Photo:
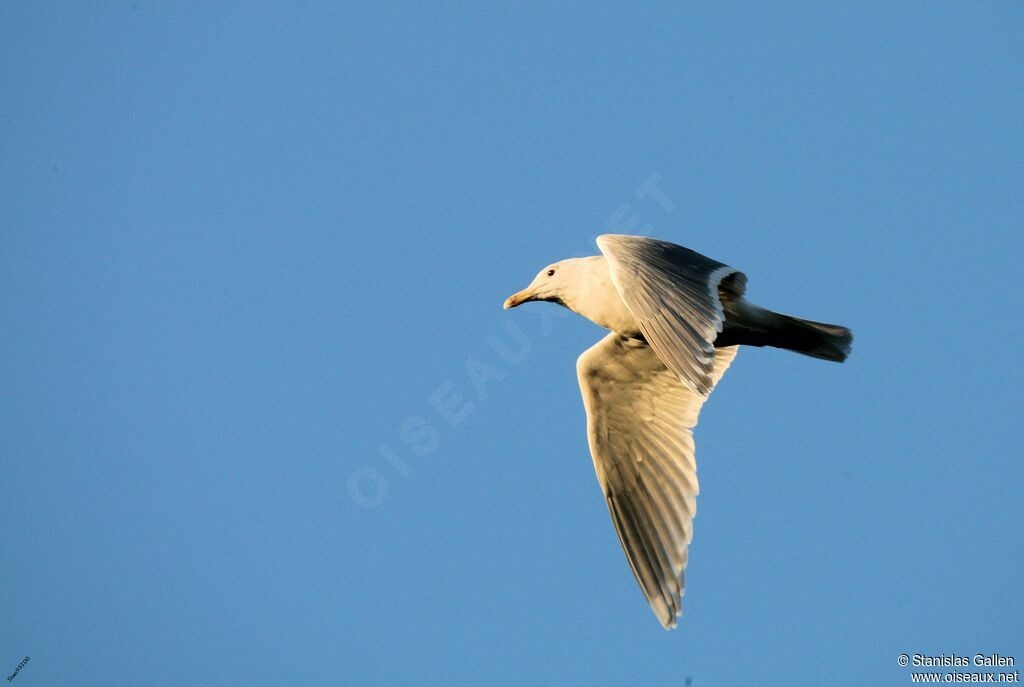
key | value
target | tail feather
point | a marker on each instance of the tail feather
(816, 339)
(748, 324)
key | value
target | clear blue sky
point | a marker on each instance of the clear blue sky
(244, 245)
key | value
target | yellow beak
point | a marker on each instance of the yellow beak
(518, 299)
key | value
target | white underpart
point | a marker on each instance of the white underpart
(594, 296)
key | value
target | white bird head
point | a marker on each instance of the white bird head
(559, 283)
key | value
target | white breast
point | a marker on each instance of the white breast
(597, 299)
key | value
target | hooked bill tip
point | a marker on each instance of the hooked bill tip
(514, 300)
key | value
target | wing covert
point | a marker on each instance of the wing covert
(673, 294)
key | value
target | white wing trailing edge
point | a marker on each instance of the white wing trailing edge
(639, 421)
(673, 294)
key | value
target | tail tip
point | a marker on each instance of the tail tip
(836, 343)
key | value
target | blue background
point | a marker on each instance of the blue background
(244, 244)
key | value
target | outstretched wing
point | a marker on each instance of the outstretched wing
(673, 294)
(639, 421)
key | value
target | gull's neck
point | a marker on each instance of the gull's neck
(594, 296)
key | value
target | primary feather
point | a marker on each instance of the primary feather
(639, 425)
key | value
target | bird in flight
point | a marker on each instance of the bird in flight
(676, 319)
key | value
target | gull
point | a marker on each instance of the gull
(676, 319)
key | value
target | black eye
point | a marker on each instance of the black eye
(551, 273)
